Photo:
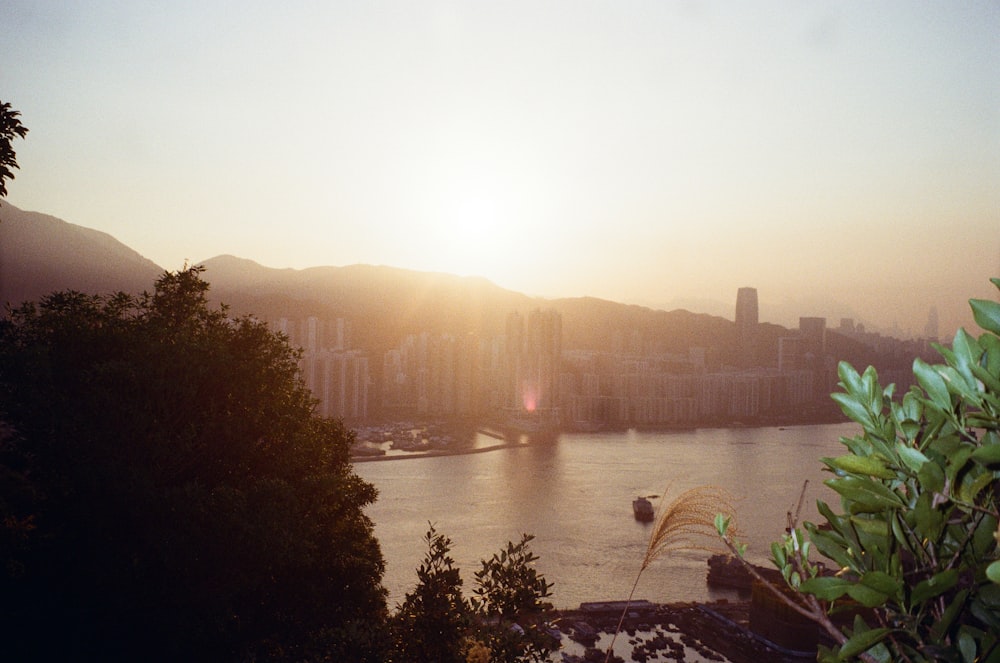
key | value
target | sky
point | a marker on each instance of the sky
(841, 157)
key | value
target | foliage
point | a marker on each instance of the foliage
(10, 128)
(431, 623)
(509, 601)
(503, 622)
(168, 493)
(916, 540)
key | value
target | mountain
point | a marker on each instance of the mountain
(383, 303)
(386, 303)
(40, 254)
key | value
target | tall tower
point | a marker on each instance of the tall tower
(746, 325)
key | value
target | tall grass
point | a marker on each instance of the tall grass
(686, 523)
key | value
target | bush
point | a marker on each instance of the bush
(916, 537)
(503, 622)
(167, 492)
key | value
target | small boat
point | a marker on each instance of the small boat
(643, 509)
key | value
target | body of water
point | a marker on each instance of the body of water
(574, 494)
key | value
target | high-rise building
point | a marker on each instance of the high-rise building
(534, 355)
(813, 334)
(789, 354)
(746, 325)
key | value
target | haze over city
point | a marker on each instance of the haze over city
(842, 158)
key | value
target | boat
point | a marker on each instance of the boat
(643, 509)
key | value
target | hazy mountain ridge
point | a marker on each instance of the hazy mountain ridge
(41, 254)
(379, 299)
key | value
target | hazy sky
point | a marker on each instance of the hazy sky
(842, 157)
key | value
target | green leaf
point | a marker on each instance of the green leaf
(862, 641)
(983, 540)
(936, 585)
(931, 477)
(858, 445)
(988, 454)
(928, 520)
(911, 457)
(867, 494)
(932, 383)
(849, 379)
(866, 465)
(882, 582)
(873, 394)
(871, 526)
(830, 546)
(986, 314)
(991, 361)
(993, 572)
(968, 492)
(959, 386)
(867, 596)
(990, 380)
(854, 410)
(778, 555)
(826, 588)
(965, 353)
(967, 645)
(957, 460)
(722, 524)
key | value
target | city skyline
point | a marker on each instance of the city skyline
(840, 158)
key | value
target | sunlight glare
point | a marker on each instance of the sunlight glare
(475, 222)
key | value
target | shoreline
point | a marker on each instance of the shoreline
(504, 444)
(435, 453)
(717, 630)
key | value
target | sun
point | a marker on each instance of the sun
(470, 236)
(475, 222)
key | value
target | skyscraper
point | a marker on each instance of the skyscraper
(813, 334)
(746, 325)
(534, 354)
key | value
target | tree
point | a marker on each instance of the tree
(430, 625)
(10, 128)
(916, 540)
(509, 602)
(168, 493)
(503, 622)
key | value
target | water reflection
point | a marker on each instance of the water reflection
(575, 495)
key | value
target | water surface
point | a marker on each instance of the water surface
(575, 495)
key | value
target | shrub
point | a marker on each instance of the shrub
(915, 540)
(167, 492)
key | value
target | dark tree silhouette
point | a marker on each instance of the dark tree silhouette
(10, 128)
(167, 493)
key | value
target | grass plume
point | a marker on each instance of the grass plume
(686, 523)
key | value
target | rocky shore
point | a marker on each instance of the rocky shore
(691, 632)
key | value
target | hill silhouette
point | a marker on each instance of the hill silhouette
(40, 254)
(386, 303)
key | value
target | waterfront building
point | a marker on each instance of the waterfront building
(340, 382)
(747, 320)
(813, 334)
(533, 361)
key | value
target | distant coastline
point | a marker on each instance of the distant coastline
(506, 443)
